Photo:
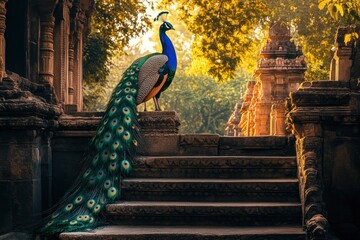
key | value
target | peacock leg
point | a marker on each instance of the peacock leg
(145, 110)
(157, 105)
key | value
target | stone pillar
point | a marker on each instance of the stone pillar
(262, 118)
(278, 119)
(245, 109)
(61, 38)
(71, 72)
(46, 71)
(2, 38)
(343, 63)
(78, 59)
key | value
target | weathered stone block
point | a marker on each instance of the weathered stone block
(164, 122)
(199, 144)
(159, 145)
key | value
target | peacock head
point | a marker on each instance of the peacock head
(166, 26)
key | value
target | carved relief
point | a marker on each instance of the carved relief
(46, 72)
(281, 65)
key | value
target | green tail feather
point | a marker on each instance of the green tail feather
(109, 160)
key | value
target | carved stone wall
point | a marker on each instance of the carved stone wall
(325, 118)
(26, 125)
(280, 71)
(30, 107)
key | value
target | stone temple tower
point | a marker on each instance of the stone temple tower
(280, 71)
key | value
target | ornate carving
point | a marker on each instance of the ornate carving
(47, 23)
(2, 38)
(280, 70)
(233, 128)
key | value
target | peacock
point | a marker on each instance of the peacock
(111, 150)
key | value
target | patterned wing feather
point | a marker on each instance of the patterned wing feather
(149, 75)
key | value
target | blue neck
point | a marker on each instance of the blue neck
(168, 50)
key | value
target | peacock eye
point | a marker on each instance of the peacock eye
(73, 222)
(107, 184)
(126, 110)
(91, 203)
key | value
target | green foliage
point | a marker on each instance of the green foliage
(228, 34)
(223, 31)
(203, 105)
(350, 10)
(113, 24)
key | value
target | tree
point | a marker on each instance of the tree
(228, 34)
(223, 31)
(203, 104)
(113, 24)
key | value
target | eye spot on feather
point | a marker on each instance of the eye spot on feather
(55, 215)
(87, 173)
(91, 203)
(79, 218)
(127, 90)
(97, 209)
(128, 84)
(50, 223)
(105, 155)
(133, 90)
(113, 156)
(91, 220)
(86, 218)
(101, 129)
(73, 222)
(126, 110)
(120, 129)
(114, 122)
(107, 184)
(113, 110)
(112, 192)
(125, 164)
(112, 166)
(135, 143)
(127, 120)
(78, 200)
(116, 144)
(129, 98)
(117, 100)
(107, 137)
(100, 174)
(127, 135)
(69, 207)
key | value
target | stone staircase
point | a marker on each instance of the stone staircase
(245, 188)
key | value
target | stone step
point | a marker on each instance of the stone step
(215, 167)
(188, 233)
(211, 190)
(205, 213)
(257, 146)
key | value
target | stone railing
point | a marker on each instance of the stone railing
(324, 116)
